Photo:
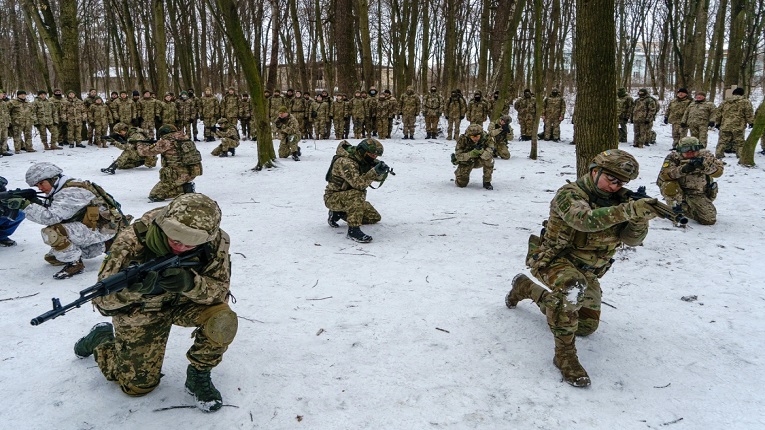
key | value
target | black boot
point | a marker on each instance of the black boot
(299, 152)
(295, 156)
(111, 169)
(488, 186)
(232, 151)
(334, 217)
(355, 233)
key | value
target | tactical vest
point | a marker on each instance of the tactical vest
(186, 154)
(92, 215)
(339, 182)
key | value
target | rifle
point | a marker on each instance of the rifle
(385, 176)
(675, 214)
(11, 211)
(125, 277)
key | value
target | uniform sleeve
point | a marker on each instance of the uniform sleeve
(575, 211)
(153, 149)
(670, 170)
(212, 282)
(66, 203)
(349, 171)
(712, 166)
(634, 233)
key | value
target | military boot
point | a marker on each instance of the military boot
(488, 186)
(54, 146)
(188, 187)
(111, 169)
(523, 288)
(566, 360)
(100, 333)
(355, 233)
(7, 242)
(79, 145)
(53, 261)
(334, 217)
(70, 269)
(46, 146)
(295, 156)
(232, 151)
(199, 385)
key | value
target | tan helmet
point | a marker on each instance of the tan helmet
(120, 127)
(473, 130)
(688, 144)
(192, 219)
(617, 163)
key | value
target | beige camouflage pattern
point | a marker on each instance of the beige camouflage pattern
(100, 117)
(229, 139)
(209, 111)
(123, 110)
(624, 105)
(467, 162)
(174, 173)
(674, 114)
(733, 115)
(288, 131)
(553, 112)
(5, 122)
(340, 110)
(187, 114)
(358, 113)
(698, 115)
(45, 114)
(346, 191)
(501, 139)
(169, 114)
(22, 119)
(691, 190)
(526, 106)
(130, 158)
(477, 110)
(432, 107)
(371, 104)
(149, 109)
(229, 106)
(643, 115)
(409, 106)
(321, 110)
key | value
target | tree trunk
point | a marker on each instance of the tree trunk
(538, 74)
(747, 151)
(368, 71)
(160, 39)
(483, 47)
(344, 47)
(425, 50)
(298, 38)
(733, 64)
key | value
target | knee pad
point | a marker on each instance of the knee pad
(219, 324)
(56, 237)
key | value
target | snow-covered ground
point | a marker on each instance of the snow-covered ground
(411, 331)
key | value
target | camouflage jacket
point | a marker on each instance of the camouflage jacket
(735, 113)
(99, 114)
(245, 109)
(186, 109)
(432, 104)
(275, 103)
(299, 108)
(358, 107)
(149, 108)
(410, 104)
(505, 106)
(229, 106)
(45, 112)
(129, 146)
(5, 115)
(21, 113)
(89, 100)
(340, 109)
(456, 107)
(676, 109)
(171, 147)
(64, 204)
(477, 111)
(210, 108)
(554, 107)
(228, 135)
(168, 112)
(73, 110)
(586, 226)
(645, 109)
(526, 108)
(624, 107)
(372, 103)
(390, 108)
(499, 135)
(699, 114)
(125, 109)
(693, 183)
(465, 145)
(211, 282)
(349, 171)
(321, 109)
(113, 108)
(288, 126)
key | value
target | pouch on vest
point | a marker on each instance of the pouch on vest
(533, 246)
(711, 190)
(91, 217)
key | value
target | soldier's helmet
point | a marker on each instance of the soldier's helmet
(555, 91)
(643, 92)
(120, 127)
(165, 129)
(618, 163)
(621, 92)
(688, 144)
(370, 146)
(192, 219)
(42, 171)
(473, 130)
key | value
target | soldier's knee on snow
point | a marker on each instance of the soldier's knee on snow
(133, 390)
(56, 237)
(219, 324)
(462, 183)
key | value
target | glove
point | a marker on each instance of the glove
(146, 285)
(666, 120)
(751, 125)
(711, 124)
(642, 210)
(176, 280)
(16, 203)
(475, 153)
(381, 168)
(694, 164)
(314, 114)
(684, 125)
(506, 127)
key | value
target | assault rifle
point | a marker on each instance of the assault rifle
(387, 169)
(11, 211)
(124, 278)
(675, 214)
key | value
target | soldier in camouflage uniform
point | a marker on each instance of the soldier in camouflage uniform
(45, 115)
(169, 111)
(624, 105)
(643, 115)
(288, 131)
(372, 102)
(409, 106)
(99, 117)
(455, 113)
(352, 171)
(340, 110)
(687, 179)
(187, 114)
(181, 163)
(475, 149)
(210, 112)
(277, 101)
(733, 115)
(392, 108)
(382, 116)
(150, 109)
(477, 109)
(229, 139)
(298, 110)
(502, 133)
(127, 139)
(588, 221)
(553, 111)
(197, 105)
(432, 106)
(73, 109)
(5, 122)
(229, 106)
(245, 116)
(88, 127)
(21, 122)
(130, 350)
(674, 115)
(526, 107)
(79, 217)
(357, 110)
(125, 109)
(319, 115)
(113, 112)
(699, 116)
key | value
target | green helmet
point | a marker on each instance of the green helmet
(473, 130)
(370, 145)
(621, 92)
(192, 219)
(688, 144)
(120, 127)
(617, 163)
(165, 129)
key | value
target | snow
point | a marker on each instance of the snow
(411, 331)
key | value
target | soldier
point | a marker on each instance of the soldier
(371, 105)
(298, 110)
(45, 115)
(88, 127)
(210, 113)
(624, 105)
(149, 109)
(99, 118)
(169, 111)
(125, 109)
(382, 116)
(494, 101)
(475, 149)
(674, 115)
(245, 116)
(643, 115)
(9, 221)
(73, 109)
(229, 139)
(409, 106)
(197, 106)
(186, 108)
(477, 109)
(338, 114)
(455, 113)
(699, 116)
(358, 112)
(21, 122)
(319, 115)
(526, 107)
(278, 101)
(352, 171)
(588, 221)
(553, 111)
(287, 129)
(432, 106)
(127, 139)
(686, 179)
(130, 350)
(113, 109)
(229, 106)
(501, 132)
(5, 122)
(181, 163)
(308, 116)
(80, 217)
(733, 115)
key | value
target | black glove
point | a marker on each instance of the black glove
(692, 165)
(146, 285)
(711, 124)
(446, 117)
(666, 120)
(462, 116)
(717, 125)
(684, 125)
(751, 125)
(381, 168)
(176, 280)
(506, 127)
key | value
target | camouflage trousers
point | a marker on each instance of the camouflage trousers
(339, 127)
(408, 121)
(453, 130)
(354, 203)
(678, 132)
(74, 132)
(44, 130)
(24, 131)
(171, 180)
(148, 125)
(72, 241)
(244, 124)
(642, 133)
(130, 159)
(382, 127)
(320, 128)
(3, 138)
(527, 126)
(462, 174)
(209, 123)
(370, 126)
(502, 151)
(134, 359)
(729, 141)
(98, 131)
(552, 129)
(431, 124)
(700, 132)
(187, 129)
(358, 127)
(697, 206)
(623, 130)
(572, 306)
(288, 144)
(224, 146)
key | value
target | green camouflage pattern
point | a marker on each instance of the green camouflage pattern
(99, 117)
(123, 110)
(22, 119)
(624, 105)
(46, 120)
(174, 172)
(691, 190)
(526, 106)
(553, 112)
(466, 162)
(643, 115)
(229, 139)
(409, 106)
(674, 113)
(698, 115)
(229, 107)
(346, 190)
(501, 138)
(477, 111)
(733, 114)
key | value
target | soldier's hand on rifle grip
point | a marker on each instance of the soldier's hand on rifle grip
(146, 285)
(176, 280)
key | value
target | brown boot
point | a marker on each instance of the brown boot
(70, 269)
(45, 146)
(53, 261)
(566, 360)
(524, 288)
(53, 146)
